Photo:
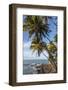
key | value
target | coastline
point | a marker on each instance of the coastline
(38, 69)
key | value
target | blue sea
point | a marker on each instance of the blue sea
(29, 66)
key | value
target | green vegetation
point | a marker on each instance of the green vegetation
(38, 29)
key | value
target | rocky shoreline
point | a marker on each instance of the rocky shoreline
(45, 68)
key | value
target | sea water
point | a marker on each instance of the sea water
(29, 66)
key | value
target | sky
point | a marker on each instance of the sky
(28, 54)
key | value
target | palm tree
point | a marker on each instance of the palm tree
(53, 51)
(40, 47)
(37, 26)
(38, 29)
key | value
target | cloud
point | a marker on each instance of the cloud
(27, 44)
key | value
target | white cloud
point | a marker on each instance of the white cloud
(27, 45)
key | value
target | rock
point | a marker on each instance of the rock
(46, 68)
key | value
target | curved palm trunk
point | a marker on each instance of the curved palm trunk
(51, 57)
(52, 62)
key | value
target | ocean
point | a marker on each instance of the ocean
(29, 66)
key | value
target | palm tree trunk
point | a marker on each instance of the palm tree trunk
(44, 55)
(51, 61)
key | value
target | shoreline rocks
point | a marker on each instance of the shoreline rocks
(45, 68)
